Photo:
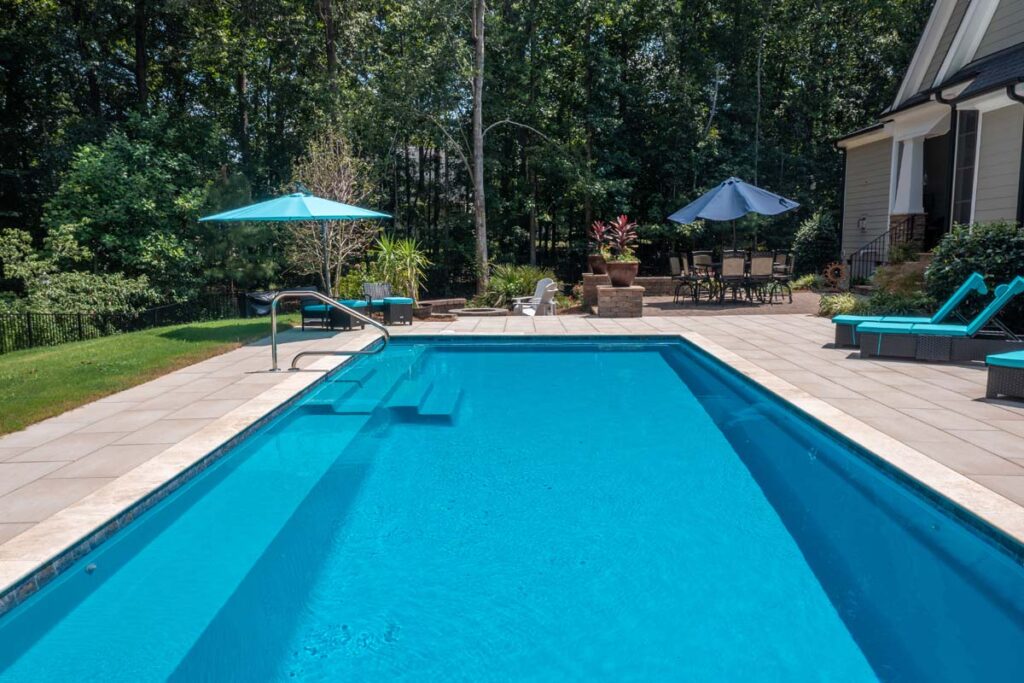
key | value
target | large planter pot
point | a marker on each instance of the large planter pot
(622, 273)
(422, 311)
(597, 264)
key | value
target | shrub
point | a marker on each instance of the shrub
(844, 303)
(996, 250)
(507, 282)
(879, 303)
(812, 281)
(882, 302)
(816, 244)
(904, 278)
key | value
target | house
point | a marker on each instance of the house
(948, 149)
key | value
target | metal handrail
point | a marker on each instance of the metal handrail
(289, 294)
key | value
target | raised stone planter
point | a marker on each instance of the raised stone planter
(620, 302)
(590, 284)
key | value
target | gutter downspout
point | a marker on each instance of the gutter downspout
(951, 162)
(1011, 92)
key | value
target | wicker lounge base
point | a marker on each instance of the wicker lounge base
(887, 345)
(846, 335)
(1005, 382)
(932, 348)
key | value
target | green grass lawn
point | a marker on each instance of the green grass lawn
(39, 383)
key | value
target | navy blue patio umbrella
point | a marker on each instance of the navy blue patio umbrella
(730, 200)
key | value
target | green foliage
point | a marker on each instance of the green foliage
(879, 303)
(128, 205)
(48, 289)
(996, 250)
(903, 278)
(350, 284)
(400, 263)
(507, 282)
(812, 281)
(843, 303)
(882, 302)
(632, 106)
(816, 244)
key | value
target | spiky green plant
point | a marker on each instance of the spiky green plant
(402, 264)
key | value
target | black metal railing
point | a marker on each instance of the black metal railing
(28, 330)
(861, 264)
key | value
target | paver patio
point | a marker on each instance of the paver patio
(63, 477)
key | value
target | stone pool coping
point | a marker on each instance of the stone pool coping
(35, 556)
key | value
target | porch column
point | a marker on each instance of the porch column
(910, 178)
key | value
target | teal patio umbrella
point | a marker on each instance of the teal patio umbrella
(300, 206)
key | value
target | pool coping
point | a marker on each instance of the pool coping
(55, 544)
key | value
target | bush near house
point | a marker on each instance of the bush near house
(816, 244)
(994, 249)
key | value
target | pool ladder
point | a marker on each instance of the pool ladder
(295, 294)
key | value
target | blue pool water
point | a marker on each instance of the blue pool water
(539, 510)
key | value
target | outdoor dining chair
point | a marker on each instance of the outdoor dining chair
(733, 275)
(760, 275)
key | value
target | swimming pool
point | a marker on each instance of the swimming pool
(525, 508)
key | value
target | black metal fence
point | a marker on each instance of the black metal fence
(28, 330)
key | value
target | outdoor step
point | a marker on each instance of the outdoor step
(442, 401)
(410, 394)
(388, 371)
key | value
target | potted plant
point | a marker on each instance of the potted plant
(621, 261)
(598, 237)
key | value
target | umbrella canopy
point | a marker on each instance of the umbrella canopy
(731, 200)
(299, 206)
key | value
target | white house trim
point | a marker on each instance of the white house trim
(977, 163)
(968, 37)
(925, 52)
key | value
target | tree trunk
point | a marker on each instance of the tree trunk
(479, 205)
(242, 91)
(141, 85)
(326, 8)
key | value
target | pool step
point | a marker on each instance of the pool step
(366, 398)
(410, 395)
(442, 401)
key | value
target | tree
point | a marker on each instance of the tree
(331, 170)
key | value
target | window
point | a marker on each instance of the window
(963, 171)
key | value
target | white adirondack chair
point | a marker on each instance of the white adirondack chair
(541, 303)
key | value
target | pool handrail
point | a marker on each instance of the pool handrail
(294, 293)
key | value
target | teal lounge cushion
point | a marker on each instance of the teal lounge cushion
(315, 308)
(398, 300)
(377, 302)
(353, 303)
(940, 330)
(1010, 359)
(858, 319)
(855, 319)
(885, 328)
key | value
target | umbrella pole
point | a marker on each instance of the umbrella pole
(327, 259)
(734, 235)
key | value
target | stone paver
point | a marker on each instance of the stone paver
(63, 477)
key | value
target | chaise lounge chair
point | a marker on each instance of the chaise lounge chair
(945, 342)
(846, 325)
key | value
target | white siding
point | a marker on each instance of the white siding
(866, 193)
(999, 164)
(1006, 28)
